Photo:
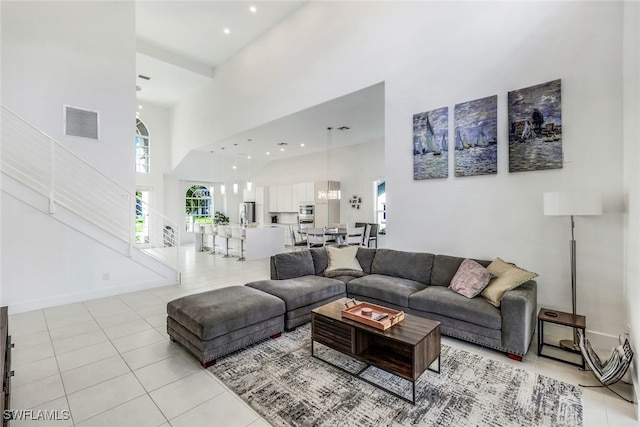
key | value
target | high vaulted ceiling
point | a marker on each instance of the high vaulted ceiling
(179, 45)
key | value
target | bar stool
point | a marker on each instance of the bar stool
(236, 233)
(214, 233)
(225, 233)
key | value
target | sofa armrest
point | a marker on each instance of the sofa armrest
(272, 268)
(518, 309)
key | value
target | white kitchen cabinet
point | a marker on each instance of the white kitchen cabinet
(310, 192)
(248, 196)
(285, 203)
(301, 194)
(273, 198)
(259, 195)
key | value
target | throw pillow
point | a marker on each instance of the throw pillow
(508, 277)
(470, 279)
(343, 258)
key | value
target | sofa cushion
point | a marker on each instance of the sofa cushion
(301, 291)
(470, 279)
(414, 266)
(444, 301)
(384, 288)
(320, 259)
(365, 257)
(445, 267)
(218, 312)
(342, 258)
(508, 277)
(343, 272)
(293, 264)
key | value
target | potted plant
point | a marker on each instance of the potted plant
(220, 218)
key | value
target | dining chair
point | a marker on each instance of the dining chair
(295, 242)
(370, 239)
(354, 236)
(315, 237)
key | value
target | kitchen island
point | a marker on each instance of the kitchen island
(263, 242)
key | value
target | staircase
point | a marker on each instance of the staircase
(40, 172)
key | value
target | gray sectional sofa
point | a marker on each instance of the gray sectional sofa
(416, 283)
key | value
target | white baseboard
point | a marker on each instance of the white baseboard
(86, 296)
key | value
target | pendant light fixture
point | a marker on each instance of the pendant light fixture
(222, 189)
(213, 172)
(235, 180)
(249, 180)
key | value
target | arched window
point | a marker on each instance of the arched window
(142, 147)
(198, 206)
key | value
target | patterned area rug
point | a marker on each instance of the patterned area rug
(288, 387)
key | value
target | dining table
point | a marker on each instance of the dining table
(339, 234)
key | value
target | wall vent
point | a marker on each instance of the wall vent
(79, 122)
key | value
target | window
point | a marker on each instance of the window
(142, 147)
(142, 217)
(381, 204)
(198, 206)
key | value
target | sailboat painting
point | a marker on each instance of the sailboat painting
(431, 144)
(476, 137)
(535, 128)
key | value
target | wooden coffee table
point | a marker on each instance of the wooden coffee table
(407, 349)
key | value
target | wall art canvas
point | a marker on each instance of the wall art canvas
(476, 137)
(535, 128)
(431, 144)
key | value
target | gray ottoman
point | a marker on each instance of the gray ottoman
(214, 323)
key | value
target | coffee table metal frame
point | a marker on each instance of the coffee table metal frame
(429, 335)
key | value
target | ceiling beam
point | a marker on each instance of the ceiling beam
(164, 55)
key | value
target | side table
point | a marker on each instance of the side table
(559, 318)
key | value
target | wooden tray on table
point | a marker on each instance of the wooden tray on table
(371, 314)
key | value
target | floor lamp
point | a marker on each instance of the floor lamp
(572, 204)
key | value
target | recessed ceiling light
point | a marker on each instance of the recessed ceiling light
(282, 149)
(140, 107)
(227, 31)
(253, 9)
(234, 166)
(301, 145)
(268, 153)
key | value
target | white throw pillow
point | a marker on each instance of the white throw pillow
(343, 258)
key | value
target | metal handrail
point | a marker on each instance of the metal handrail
(38, 161)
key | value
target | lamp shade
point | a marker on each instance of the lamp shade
(572, 203)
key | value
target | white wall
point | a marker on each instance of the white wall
(434, 54)
(80, 54)
(47, 264)
(72, 53)
(631, 102)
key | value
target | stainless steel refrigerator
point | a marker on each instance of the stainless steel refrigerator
(247, 213)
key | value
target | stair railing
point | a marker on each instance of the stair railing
(41, 163)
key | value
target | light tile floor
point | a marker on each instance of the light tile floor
(110, 363)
